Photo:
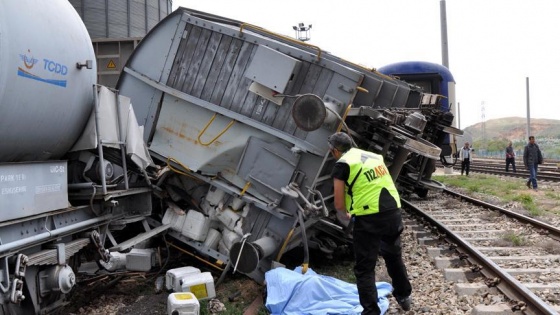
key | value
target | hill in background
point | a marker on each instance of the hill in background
(491, 138)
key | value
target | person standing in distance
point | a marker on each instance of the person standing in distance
(365, 192)
(465, 157)
(532, 157)
(510, 157)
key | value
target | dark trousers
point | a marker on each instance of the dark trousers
(512, 162)
(465, 166)
(378, 234)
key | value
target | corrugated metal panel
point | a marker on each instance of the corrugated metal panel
(164, 8)
(118, 19)
(121, 18)
(100, 5)
(137, 18)
(96, 19)
(153, 14)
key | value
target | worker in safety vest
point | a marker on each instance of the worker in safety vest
(364, 191)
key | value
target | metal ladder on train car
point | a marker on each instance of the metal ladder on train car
(323, 176)
(100, 142)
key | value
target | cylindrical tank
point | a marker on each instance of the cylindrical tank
(45, 99)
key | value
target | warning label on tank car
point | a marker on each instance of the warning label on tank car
(32, 188)
(111, 65)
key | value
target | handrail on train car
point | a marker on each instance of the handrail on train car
(219, 134)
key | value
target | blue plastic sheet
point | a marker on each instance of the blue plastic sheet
(290, 293)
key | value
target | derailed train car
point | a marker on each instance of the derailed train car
(71, 168)
(236, 165)
(239, 116)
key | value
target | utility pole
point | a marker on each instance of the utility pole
(528, 111)
(483, 126)
(444, 44)
(458, 115)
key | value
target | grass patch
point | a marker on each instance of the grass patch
(528, 203)
(514, 238)
(552, 195)
(507, 190)
(480, 183)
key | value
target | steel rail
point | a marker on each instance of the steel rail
(514, 289)
(549, 176)
(554, 231)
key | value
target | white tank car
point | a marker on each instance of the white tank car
(45, 99)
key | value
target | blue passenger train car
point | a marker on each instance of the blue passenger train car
(434, 79)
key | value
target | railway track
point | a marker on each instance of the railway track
(489, 250)
(446, 277)
(549, 171)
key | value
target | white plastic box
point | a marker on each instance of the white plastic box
(173, 277)
(196, 226)
(212, 239)
(228, 217)
(229, 238)
(176, 220)
(140, 259)
(183, 303)
(201, 285)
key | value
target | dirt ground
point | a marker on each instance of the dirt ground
(129, 293)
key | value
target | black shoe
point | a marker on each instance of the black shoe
(529, 184)
(404, 302)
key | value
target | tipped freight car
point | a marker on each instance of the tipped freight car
(239, 117)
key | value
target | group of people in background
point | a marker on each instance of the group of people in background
(532, 157)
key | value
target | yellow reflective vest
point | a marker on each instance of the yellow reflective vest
(368, 176)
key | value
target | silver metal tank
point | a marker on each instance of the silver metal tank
(45, 99)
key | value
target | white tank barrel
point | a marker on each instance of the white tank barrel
(45, 99)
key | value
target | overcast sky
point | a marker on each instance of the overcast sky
(494, 45)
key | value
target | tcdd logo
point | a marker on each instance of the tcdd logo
(55, 67)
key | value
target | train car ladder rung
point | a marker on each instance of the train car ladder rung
(329, 197)
(323, 178)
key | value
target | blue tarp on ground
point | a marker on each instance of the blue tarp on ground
(290, 292)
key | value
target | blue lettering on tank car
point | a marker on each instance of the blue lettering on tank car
(55, 67)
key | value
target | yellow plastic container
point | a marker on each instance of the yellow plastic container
(202, 285)
(182, 303)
